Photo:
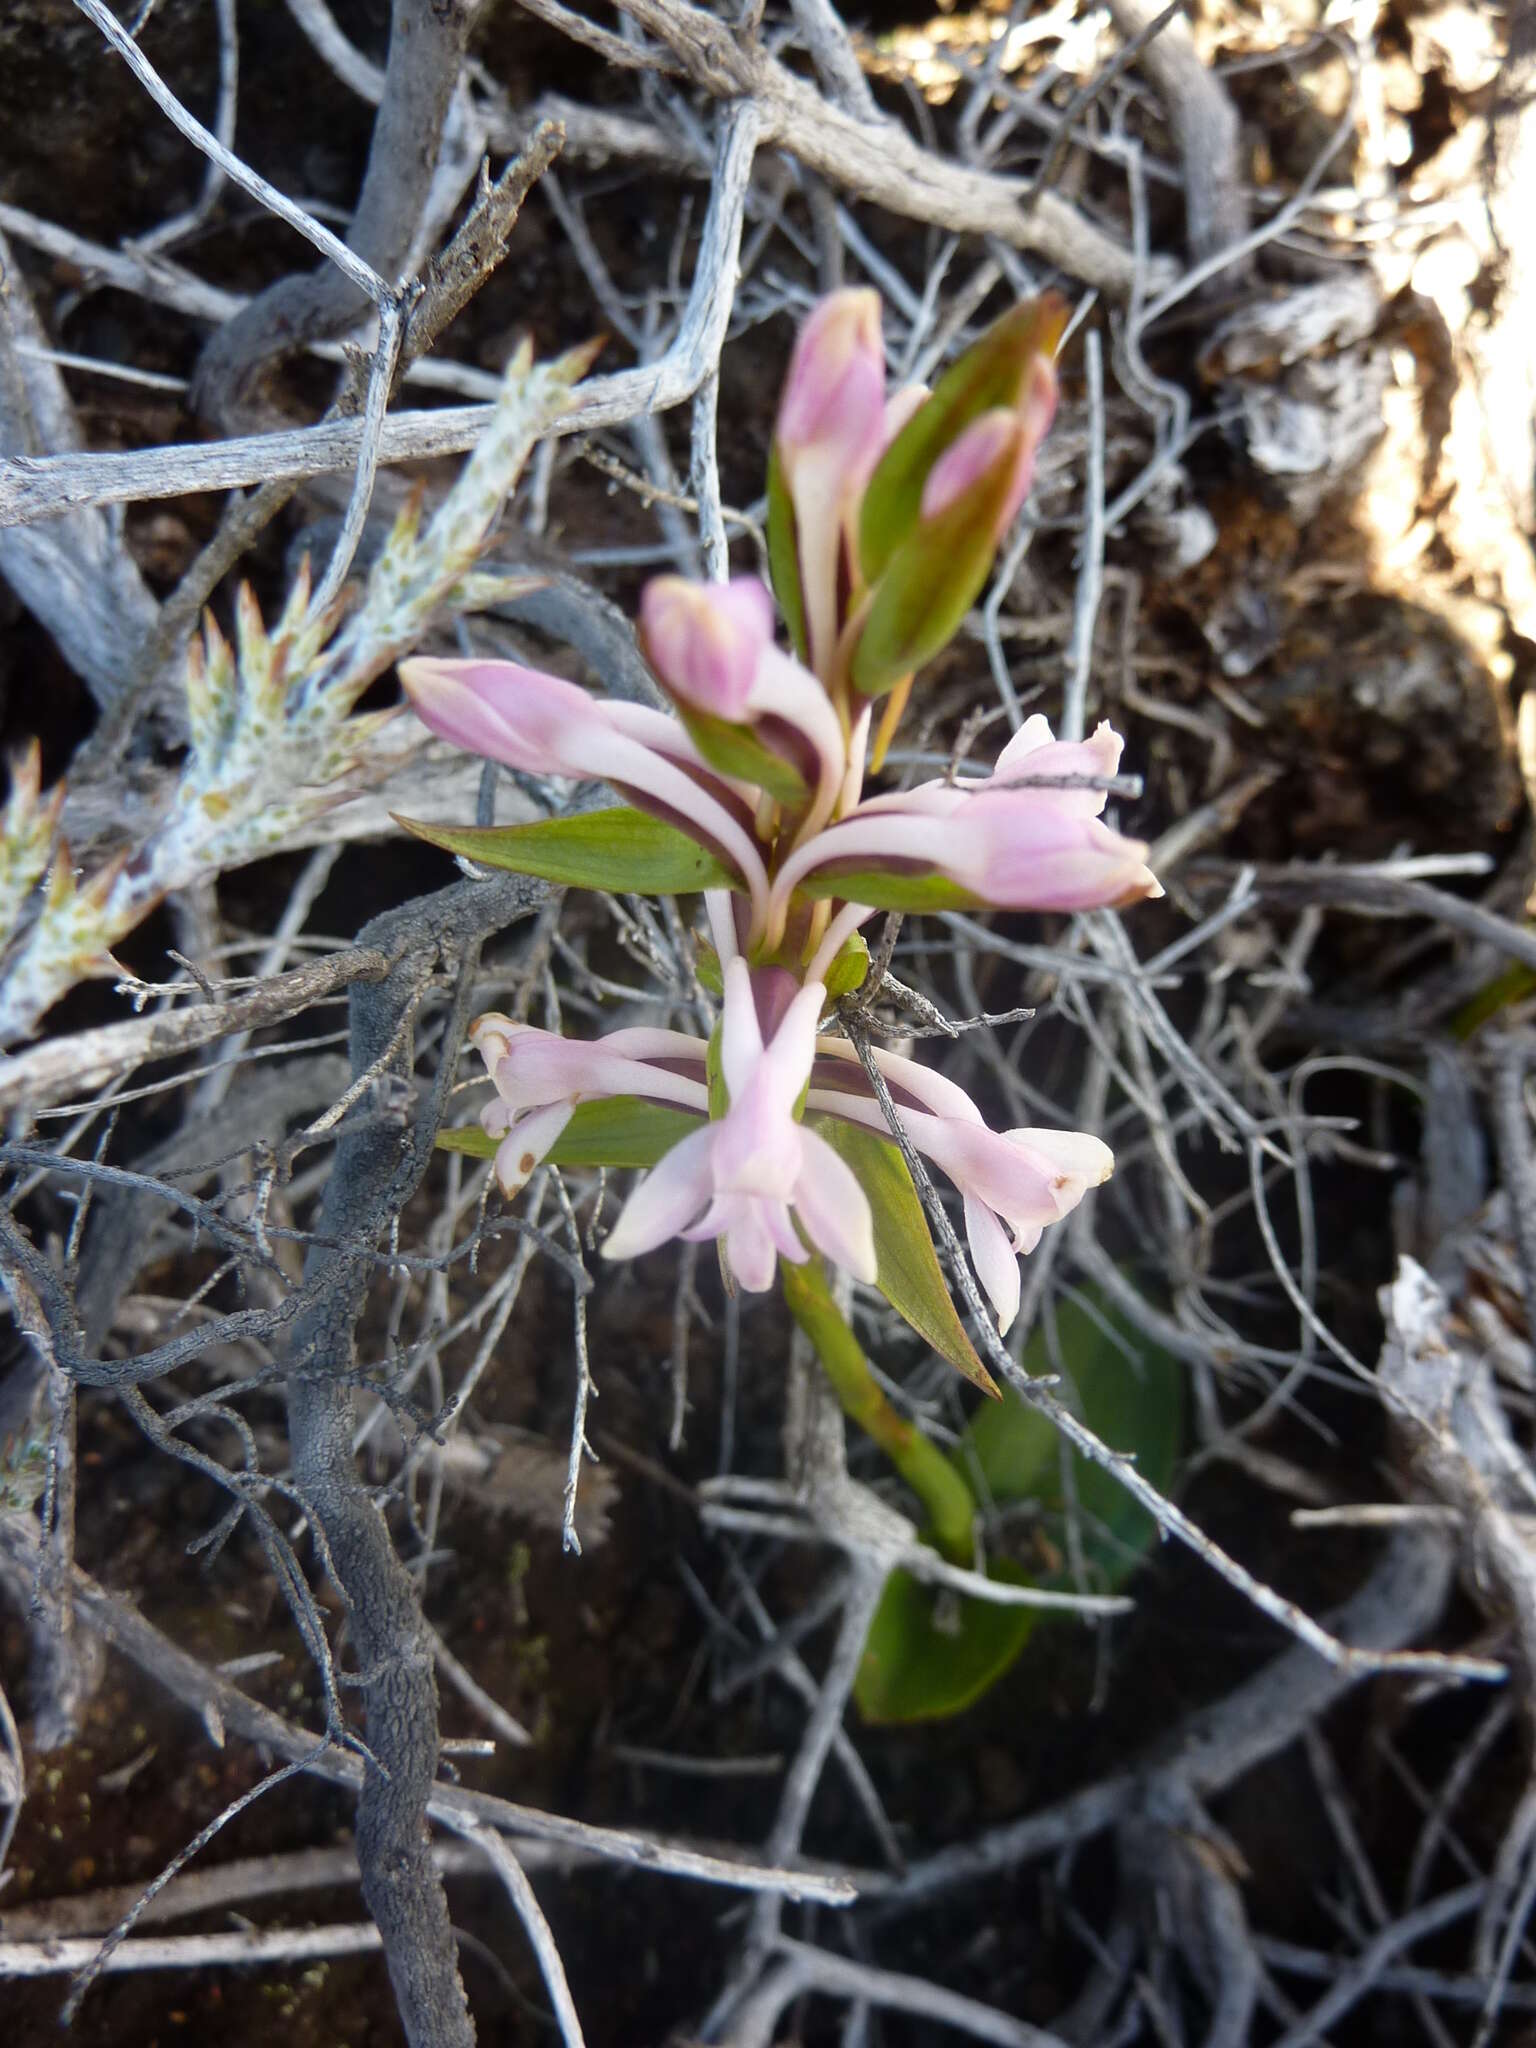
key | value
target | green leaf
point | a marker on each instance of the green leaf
(907, 1269)
(737, 751)
(930, 1653)
(619, 848)
(991, 373)
(784, 555)
(1131, 1395)
(882, 888)
(624, 1130)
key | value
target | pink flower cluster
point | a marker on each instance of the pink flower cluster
(885, 516)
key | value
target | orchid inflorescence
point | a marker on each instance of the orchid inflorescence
(885, 514)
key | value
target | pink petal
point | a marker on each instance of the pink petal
(834, 1208)
(541, 1067)
(705, 640)
(1032, 754)
(757, 1143)
(741, 1037)
(982, 1163)
(518, 716)
(995, 1260)
(749, 1246)
(925, 1085)
(1077, 1154)
(526, 1143)
(818, 486)
(670, 1196)
(1073, 1161)
(792, 1053)
(834, 390)
(1022, 853)
(780, 1226)
(490, 1034)
(970, 459)
(787, 692)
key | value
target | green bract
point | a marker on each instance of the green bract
(736, 750)
(930, 583)
(784, 557)
(993, 372)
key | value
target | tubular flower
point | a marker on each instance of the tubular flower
(1014, 1183)
(739, 1178)
(1009, 840)
(547, 726)
(540, 1077)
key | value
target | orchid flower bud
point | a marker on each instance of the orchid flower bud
(705, 640)
(752, 711)
(998, 441)
(831, 426)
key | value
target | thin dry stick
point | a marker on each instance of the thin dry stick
(498, 1853)
(351, 266)
(1090, 578)
(878, 159)
(38, 487)
(285, 1945)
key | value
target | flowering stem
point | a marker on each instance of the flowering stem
(944, 1494)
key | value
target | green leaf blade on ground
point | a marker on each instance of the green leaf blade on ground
(1131, 1395)
(929, 1656)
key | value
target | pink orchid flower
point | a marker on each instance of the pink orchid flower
(739, 1178)
(1009, 840)
(547, 726)
(540, 1077)
(1014, 1183)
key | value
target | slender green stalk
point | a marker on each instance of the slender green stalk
(943, 1492)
